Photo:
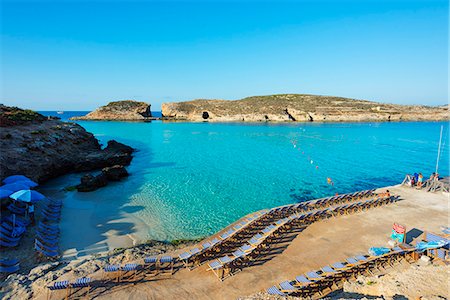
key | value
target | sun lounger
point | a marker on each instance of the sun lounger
(59, 285)
(80, 284)
(7, 237)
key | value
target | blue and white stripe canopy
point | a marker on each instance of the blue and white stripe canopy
(27, 196)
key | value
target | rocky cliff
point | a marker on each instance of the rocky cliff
(41, 149)
(125, 110)
(298, 107)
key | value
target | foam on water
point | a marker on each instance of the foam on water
(191, 179)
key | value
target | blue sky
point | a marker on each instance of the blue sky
(77, 55)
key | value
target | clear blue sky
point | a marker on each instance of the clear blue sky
(78, 55)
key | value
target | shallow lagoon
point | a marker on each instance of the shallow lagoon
(189, 180)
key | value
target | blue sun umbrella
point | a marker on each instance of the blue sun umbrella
(14, 178)
(29, 183)
(29, 196)
(5, 193)
(14, 187)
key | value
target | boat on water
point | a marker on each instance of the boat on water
(60, 112)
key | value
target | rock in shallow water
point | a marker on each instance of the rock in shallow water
(91, 183)
(115, 173)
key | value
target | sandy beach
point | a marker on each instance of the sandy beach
(321, 243)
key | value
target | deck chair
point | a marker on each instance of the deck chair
(275, 291)
(59, 286)
(218, 267)
(80, 284)
(150, 266)
(166, 265)
(111, 272)
(126, 270)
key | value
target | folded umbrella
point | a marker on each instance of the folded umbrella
(29, 196)
(14, 187)
(14, 178)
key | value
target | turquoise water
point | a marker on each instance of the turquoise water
(191, 179)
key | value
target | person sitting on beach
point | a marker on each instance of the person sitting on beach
(413, 181)
(419, 180)
(436, 177)
(387, 194)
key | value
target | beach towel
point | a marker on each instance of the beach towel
(422, 246)
(377, 251)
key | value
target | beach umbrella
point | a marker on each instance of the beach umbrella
(14, 178)
(29, 183)
(29, 196)
(5, 193)
(14, 187)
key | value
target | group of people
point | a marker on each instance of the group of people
(417, 179)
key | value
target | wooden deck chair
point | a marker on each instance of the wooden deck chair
(166, 265)
(151, 266)
(287, 288)
(274, 290)
(128, 272)
(305, 286)
(80, 284)
(220, 267)
(111, 272)
(59, 286)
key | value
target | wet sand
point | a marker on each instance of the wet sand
(321, 243)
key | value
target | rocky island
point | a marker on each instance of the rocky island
(300, 108)
(124, 110)
(42, 148)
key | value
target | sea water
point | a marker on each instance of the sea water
(188, 180)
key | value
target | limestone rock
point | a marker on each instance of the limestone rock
(115, 173)
(91, 183)
(126, 110)
(42, 149)
(299, 108)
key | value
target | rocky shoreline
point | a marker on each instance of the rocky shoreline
(42, 148)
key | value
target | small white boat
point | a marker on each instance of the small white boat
(60, 112)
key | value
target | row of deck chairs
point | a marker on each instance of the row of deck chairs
(287, 210)
(152, 266)
(209, 248)
(71, 288)
(47, 233)
(194, 257)
(12, 229)
(319, 283)
(130, 272)
(227, 265)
